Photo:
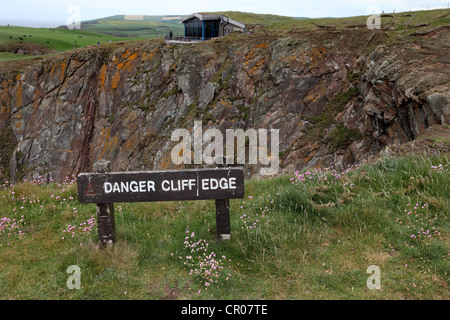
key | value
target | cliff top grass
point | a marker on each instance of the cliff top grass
(306, 235)
(398, 27)
(409, 21)
(249, 18)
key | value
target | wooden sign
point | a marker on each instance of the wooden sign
(173, 185)
(106, 188)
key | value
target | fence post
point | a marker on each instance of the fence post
(105, 212)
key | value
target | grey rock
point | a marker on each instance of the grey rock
(440, 106)
(206, 95)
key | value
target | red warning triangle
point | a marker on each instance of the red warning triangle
(90, 189)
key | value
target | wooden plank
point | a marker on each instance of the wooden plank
(171, 185)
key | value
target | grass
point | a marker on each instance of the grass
(298, 236)
(9, 56)
(53, 39)
(45, 41)
(405, 21)
(249, 18)
(148, 27)
(341, 136)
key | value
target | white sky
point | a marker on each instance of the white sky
(53, 10)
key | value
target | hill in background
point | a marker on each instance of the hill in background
(135, 26)
(249, 18)
(20, 46)
(158, 26)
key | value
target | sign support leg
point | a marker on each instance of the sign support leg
(106, 224)
(223, 219)
(223, 214)
(105, 213)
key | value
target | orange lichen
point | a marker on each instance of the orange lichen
(115, 80)
(174, 66)
(224, 103)
(126, 54)
(37, 95)
(132, 57)
(102, 76)
(4, 93)
(255, 52)
(19, 96)
(129, 144)
(149, 56)
(110, 143)
(64, 150)
(311, 154)
(262, 45)
(318, 52)
(211, 63)
(63, 69)
(317, 92)
(258, 65)
(127, 64)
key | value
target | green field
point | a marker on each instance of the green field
(35, 43)
(148, 27)
(20, 46)
(299, 236)
(249, 18)
(52, 39)
(39, 41)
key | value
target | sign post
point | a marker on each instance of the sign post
(105, 211)
(223, 216)
(106, 188)
(223, 219)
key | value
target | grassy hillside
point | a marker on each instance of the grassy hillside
(309, 235)
(44, 40)
(20, 46)
(401, 24)
(247, 17)
(148, 27)
(55, 39)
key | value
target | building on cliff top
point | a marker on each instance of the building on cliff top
(199, 26)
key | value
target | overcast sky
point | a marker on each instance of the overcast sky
(57, 10)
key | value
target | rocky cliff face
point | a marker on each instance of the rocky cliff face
(337, 97)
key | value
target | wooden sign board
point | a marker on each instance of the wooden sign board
(173, 185)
